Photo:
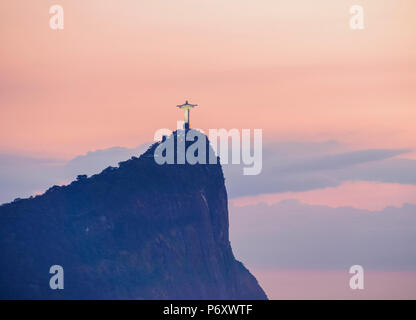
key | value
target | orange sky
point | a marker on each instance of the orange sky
(293, 68)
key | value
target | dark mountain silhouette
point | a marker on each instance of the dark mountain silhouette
(139, 231)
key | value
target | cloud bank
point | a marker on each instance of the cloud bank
(295, 167)
(293, 235)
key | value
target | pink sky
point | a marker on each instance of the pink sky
(334, 284)
(293, 68)
(361, 195)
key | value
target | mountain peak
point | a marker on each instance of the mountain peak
(139, 231)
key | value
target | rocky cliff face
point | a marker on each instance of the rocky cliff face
(139, 231)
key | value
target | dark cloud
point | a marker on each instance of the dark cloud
(95, 161)
(307, 166)
(388, 170)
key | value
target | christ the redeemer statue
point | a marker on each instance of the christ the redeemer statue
(187, 107)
